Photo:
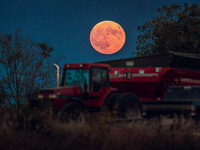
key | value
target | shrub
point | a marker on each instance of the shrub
(33, 129)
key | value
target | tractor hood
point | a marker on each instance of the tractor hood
(57, 92)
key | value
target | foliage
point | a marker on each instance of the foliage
(25, 67)
(32, 129)
(176, 28)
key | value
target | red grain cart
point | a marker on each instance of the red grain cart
(146, 79)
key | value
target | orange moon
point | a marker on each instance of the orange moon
(107, 37)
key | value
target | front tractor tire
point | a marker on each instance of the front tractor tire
(129, 106)
(73, 111)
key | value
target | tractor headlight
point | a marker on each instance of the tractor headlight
(40, 96)
(52, 96)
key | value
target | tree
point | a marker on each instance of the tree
(25, 67)
(176, 28)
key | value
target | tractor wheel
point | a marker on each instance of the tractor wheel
(129, 106)
(72, 111)
(110, 103)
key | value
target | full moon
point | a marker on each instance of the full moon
(107, 37)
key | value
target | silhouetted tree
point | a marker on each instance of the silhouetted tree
(176, 28)
(25, 67)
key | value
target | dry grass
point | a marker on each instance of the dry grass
(27, 129)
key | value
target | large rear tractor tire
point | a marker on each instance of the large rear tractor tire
(129, 106)
(73, 111)
(110, 103)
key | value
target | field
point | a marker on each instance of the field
(27, 129)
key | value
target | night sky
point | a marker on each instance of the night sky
(66, 24)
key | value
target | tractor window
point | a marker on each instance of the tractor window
(96, 79)
(100, 78)
(77, 77)
(105, 78)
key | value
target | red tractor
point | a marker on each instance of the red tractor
(84, 87)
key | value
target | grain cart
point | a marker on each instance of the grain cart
(147, 79)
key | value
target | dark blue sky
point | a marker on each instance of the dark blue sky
(66, 24)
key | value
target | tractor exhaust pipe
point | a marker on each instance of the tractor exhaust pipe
(57, 75)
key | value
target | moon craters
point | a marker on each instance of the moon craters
(107, 37)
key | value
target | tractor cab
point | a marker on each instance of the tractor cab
(84, 83)
(90, 77)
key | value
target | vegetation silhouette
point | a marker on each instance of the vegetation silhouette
(176, 28)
